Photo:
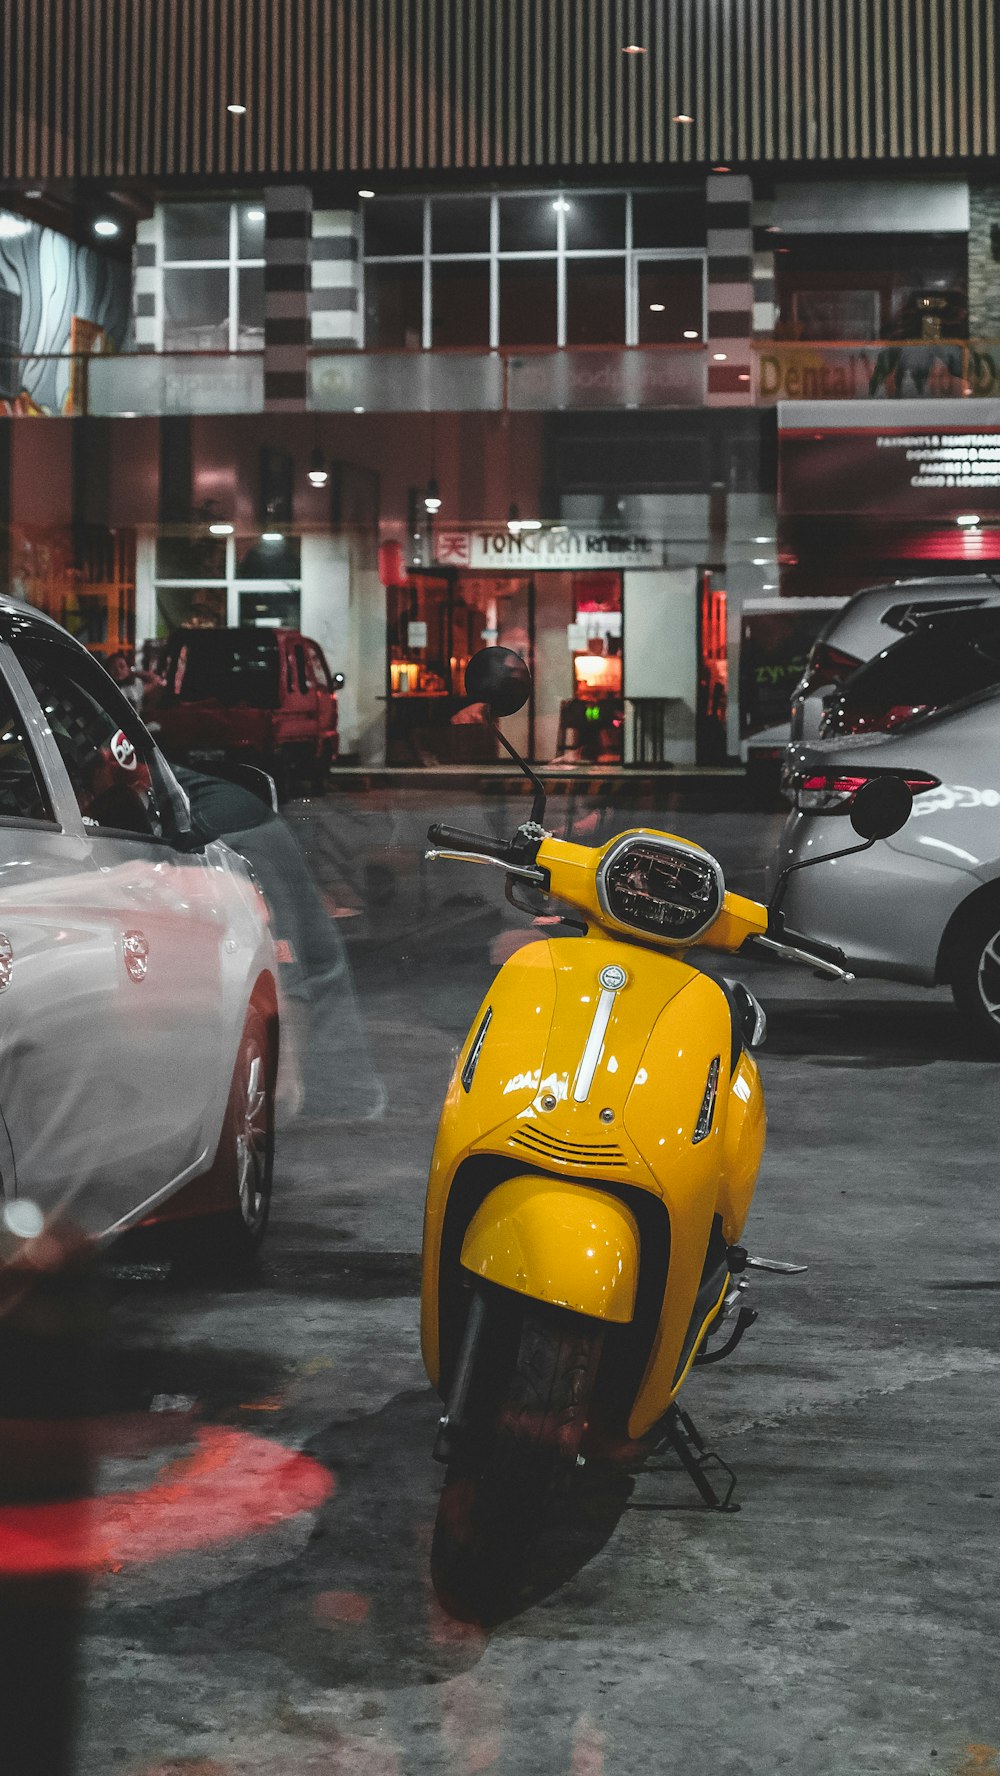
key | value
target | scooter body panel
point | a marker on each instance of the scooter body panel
(566, 1244)
(606, 1098)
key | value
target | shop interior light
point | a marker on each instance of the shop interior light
(237, 110)
(12, 226)
(432, 498)
(105, 226)
(272, 536)
(366, 193)
(691, 333)
(317, 472)
(968, 520)
(220, 530)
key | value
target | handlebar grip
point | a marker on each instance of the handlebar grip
(452, 838)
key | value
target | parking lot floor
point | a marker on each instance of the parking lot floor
(845, 1622)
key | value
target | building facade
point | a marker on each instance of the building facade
(631, 335)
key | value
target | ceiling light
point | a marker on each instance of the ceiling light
(744, 376)
(690, 333)
(967, 520)
(561, 204)
(720, 357)
(633, 49)
(657, 308)
(255, 215)
(237, 110)
(682, 117)
(220, 530)
(720, 169)
(272, 536)
(105, 226)
(317, 471)
(366, 193)
(761, 561)
(763, 539)
(432, 498)
(33, 194)
(358, 410)
(11, 226)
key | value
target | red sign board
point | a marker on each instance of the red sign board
(894, 473)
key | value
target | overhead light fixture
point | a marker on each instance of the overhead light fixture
(255, 215)
(763, 539)
(968, 520)
(720, 169)
(317, 471)
(366, 193)
(720, 357)
(105, 226)
(761, 561)
(34, 194)
(432, 498)
(657, 308)
(561, 204)
(633, 49)
(683, 117)
(744, 376)
(357, 410)
(220, 530)
(236, 110)
(272, 536)
(691, 333)
(12, 226)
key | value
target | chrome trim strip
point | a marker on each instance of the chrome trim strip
(594, 1045)
(472, 1062)
(526, 871)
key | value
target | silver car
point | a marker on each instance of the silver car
(138, 998)
(923, 906)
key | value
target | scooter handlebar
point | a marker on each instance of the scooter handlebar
(452, 838)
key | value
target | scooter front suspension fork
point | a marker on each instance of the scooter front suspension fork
(454, 1412)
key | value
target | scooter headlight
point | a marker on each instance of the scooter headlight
(661, 888)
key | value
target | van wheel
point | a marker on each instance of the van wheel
(501, 1491)
(975, 977)
(245, 1159)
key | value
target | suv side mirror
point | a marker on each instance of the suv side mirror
(881, 807)
(499, 678)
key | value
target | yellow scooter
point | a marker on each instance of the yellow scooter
(594, 1167)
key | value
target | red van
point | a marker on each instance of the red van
(259, 696)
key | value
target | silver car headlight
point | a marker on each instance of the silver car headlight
(661, 888)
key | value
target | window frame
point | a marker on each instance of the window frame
(560, 253)
(230, 582)
(233, 263)
(49, 774)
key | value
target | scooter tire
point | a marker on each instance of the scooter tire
(502, 1491)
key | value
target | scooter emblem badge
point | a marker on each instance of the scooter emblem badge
(613, 978)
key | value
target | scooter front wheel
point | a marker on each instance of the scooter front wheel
(502, 1488)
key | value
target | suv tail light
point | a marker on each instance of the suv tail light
(827, 665)
(841, 717)
(832, 792)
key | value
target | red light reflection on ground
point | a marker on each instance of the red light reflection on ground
(232, 1485)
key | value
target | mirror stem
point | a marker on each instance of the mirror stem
(807, 863)
(538, 805)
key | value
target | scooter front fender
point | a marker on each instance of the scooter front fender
(559, 1242)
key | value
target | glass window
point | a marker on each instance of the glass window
(460, 225)
(670, 300)
(195, 231)
(269, 610)
(250, 229)
(226, 665)
(394, 307)
(528, 224)
(190, 558)
(89, 721)
(280, 559)
(189, 607)
(22, 793)
(319, 667)
(394, 225)
(460, 304)
(250, 332)
(668, 219)
(595, 302)
(196, 310)
(595, 221)
(528, 302)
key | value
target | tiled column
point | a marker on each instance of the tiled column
(335, 299)
(147, 289)
(287, 235)
(730, 289)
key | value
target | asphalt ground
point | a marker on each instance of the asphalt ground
(845, 1622)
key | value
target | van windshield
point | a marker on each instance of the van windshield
(225, 666)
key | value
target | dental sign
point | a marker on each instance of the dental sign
(891, 474)
(550, 547)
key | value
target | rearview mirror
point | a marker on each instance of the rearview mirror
(499, 678)
(881, 807)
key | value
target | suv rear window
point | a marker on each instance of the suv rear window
(228, 666)
(905, 617)
(945, 659)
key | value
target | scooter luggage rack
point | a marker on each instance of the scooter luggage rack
(680, 1434)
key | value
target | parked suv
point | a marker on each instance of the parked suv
(260, 696)
(870, 622)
